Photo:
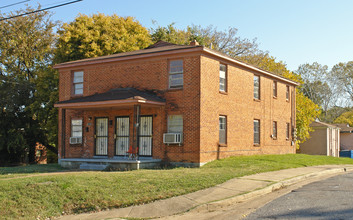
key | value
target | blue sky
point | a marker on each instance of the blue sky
(294, 31)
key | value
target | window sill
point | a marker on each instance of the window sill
(76, 95)
(76, 145)
(256, 145)
(174, 145)
(275, 97)
(257, 100)
(175, 89)
(222, 145)
(223, 92)
(287, 100)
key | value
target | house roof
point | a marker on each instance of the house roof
(345, 128)
(322, 124)
(160, 46)
(164, 48)
(113, 97)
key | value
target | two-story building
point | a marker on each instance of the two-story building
(186, 105)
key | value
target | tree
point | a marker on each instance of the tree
(225, 41)
(345, 118)
(26, 52)
(98, 35)
(342, 73)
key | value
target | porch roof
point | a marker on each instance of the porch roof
(113, 98)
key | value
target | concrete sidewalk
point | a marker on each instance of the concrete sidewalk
(225, 194)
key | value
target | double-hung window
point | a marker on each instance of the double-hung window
(176, 73)
(76, 128)
(274, 129)
(175, 124)
(256, 132)
(287, 131)
(222, 129)
(78, 83)
(287, 93)
(274, 89)
(222, 78)
(257, 87)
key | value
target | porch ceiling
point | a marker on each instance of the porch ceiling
(115, 98)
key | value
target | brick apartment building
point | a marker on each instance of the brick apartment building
(187, 105)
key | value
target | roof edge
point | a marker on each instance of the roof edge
(210, 51)
(175, 51)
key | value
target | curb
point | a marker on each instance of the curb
(213, 206)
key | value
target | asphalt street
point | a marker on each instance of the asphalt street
(327, 199)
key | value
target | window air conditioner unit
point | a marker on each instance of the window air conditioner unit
(172, 138)
(75, 140)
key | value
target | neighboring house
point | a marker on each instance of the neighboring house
(346, 137)
(324, 140)
(186, 105)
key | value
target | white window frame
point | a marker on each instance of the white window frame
(176, 73)
(76, 127)
(78, 83)
(175, 124)
(256, 87)
(222, 77)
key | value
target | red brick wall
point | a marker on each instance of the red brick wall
(241, 109)
(200, 103)
(149, 73)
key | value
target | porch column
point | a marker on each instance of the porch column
(136, 130)
(63, 132)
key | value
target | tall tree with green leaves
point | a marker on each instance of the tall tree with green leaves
(226, 41)
(345, 118)
(342, 73)
(27, 83)
(98, 35)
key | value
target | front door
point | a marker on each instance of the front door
(101, 136)
(122, 135)
(145, 136)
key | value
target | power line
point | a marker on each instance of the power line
(44, 9)
(17, 3)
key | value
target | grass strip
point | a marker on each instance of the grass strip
(52, 195)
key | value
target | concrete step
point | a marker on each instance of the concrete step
(92, 166)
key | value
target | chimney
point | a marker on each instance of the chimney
(194, 43)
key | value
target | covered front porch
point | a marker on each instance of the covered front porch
(120, 130)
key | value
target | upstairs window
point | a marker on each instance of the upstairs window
(175, 124)
(287, 130)
(76, 128)
(222, 78)
(287, 93)
(274, 89)
(256, 132)
(222, 129)
(256, 87)
(176, 74)
(78, 83)
(274, 130)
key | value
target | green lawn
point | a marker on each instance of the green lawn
(75, 192)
